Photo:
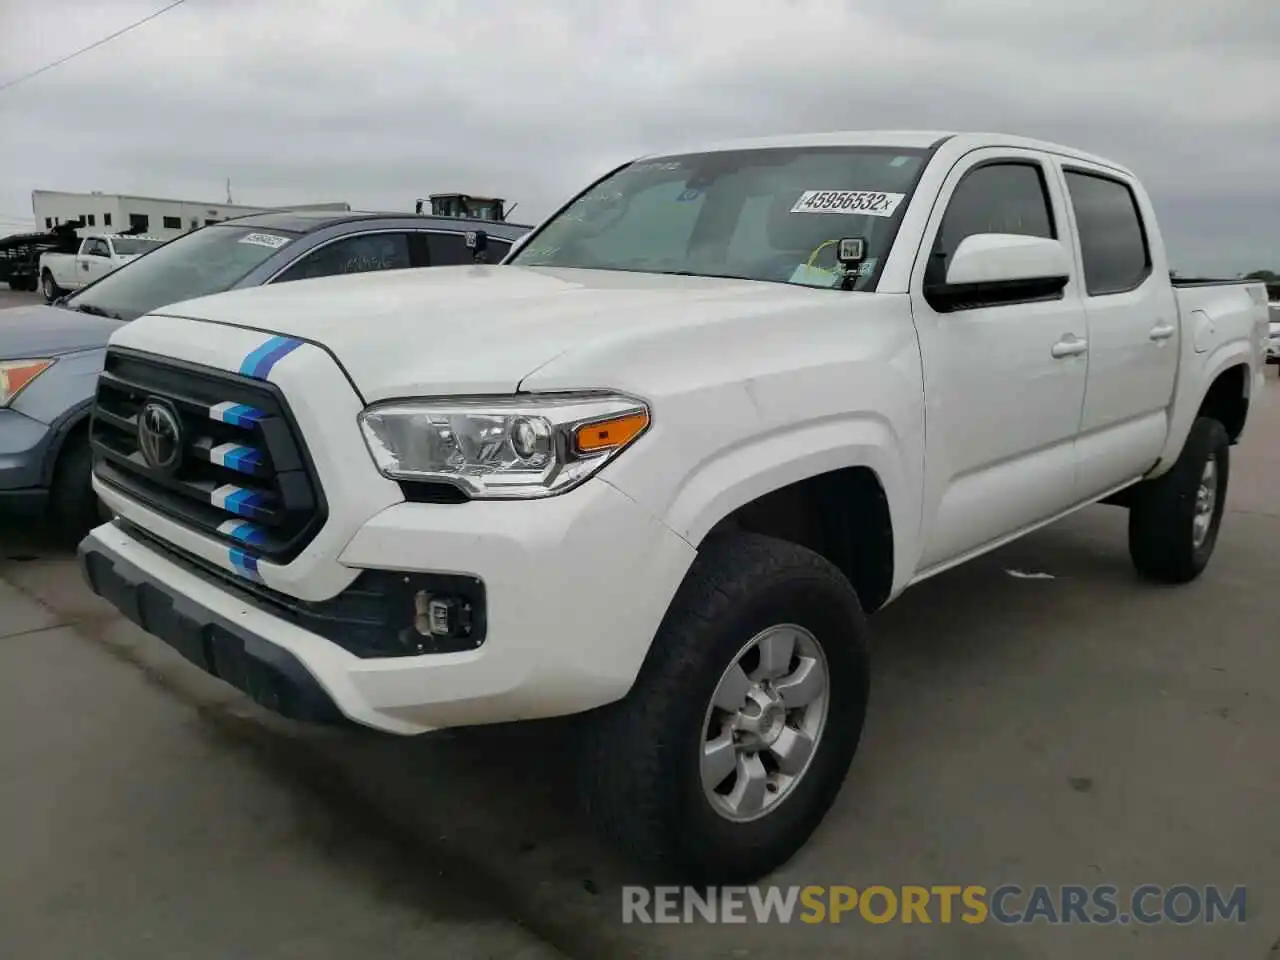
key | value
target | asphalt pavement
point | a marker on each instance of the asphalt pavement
(1075, 727)
(11, 298)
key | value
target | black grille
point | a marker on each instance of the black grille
(243, 476)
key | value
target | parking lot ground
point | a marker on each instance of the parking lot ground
(1086, 729)
(14, 298)
(132, 827)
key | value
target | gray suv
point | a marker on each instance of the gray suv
(50, 356)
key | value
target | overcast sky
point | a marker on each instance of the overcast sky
(378, 102)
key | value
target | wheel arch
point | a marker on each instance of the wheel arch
(796, 482)
(1227, 400)
(842, 515)
(74, 423)
(1227, 375)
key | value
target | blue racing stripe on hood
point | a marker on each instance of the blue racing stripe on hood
(258, 364)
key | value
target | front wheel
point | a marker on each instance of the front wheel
(49, 288)
(735, 740)
(1174, 519)
(75, 508)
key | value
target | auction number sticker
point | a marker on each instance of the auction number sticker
(265, 240)
(865, 202)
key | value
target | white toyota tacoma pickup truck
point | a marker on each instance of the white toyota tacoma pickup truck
(657, 467)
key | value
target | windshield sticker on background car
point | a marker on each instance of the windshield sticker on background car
(265, 240)
(656, 165)
(693, 193)
(864, 202)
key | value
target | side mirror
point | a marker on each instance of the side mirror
(478, 244)
(988, 269)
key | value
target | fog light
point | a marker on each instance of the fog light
(441, 616)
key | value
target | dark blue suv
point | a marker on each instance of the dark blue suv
(50, 356)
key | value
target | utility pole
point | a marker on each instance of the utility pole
(228, 191)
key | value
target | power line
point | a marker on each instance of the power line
(92, 46)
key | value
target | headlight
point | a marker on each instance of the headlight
(16, 374)
(502, 447)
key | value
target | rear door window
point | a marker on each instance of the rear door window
(361, 253)
(448, 249)
(1113, 241)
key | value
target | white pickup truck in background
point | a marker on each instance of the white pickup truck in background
(1273, 339)
(97, 256)
(656, 467)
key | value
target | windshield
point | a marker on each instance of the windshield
(773, 214)
(205, 261)
(133, 247)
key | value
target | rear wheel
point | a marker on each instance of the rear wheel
(1174, 519)
(739, 731)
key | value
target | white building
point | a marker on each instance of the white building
(111, 212)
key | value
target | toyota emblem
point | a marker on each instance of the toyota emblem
(159, 436)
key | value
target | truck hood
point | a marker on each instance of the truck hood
(483, 329)
(40, 331)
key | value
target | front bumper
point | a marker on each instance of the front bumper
(575, 587)
(217, 643)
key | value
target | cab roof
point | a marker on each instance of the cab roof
(960, 142)
(308, 221)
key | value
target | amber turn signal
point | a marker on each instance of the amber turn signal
(609, 434)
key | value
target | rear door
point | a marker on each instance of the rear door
(1133, 327)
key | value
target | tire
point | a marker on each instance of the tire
(50, 289)
(74, 508)
(1165, 541)
(642, 774)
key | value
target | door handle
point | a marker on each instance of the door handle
(1069, 346)
(1162, 331)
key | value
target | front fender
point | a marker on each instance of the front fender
(62, 397)
(69, 383)
(725, 479)
(737, 476)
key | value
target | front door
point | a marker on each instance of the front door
(1002, 395)
(94, 261)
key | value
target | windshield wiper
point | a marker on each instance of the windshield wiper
(96, 311)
